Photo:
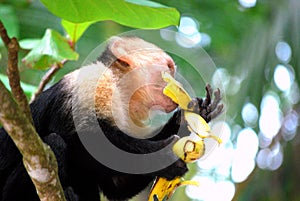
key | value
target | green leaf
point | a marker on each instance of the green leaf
(53, 48)
(75, 30)
(132, 13)
(10, 21)
(29, 43)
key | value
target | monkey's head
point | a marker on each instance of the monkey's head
(134, 80)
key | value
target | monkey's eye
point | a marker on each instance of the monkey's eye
(171, 66)
(122, 65)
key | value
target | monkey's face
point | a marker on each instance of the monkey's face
(143, 84)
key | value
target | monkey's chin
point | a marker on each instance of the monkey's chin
(161, 101)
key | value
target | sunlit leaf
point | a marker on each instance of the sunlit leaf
(53, 48)
(75, 30)
(133, 13)
(29, 43)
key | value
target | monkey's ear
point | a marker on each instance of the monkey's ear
(120, 50)
(121, 47)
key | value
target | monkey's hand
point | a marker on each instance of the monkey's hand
(177, 169)
(207, 108)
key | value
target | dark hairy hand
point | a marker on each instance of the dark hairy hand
(207, 108)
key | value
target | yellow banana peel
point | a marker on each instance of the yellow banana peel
(175, 91)
(163, 188)
(196, 123)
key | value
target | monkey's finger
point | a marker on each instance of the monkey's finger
(193, 105)
(207, 100)
(200, 101)
(215, 113)
(215, 102)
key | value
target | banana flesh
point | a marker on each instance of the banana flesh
(189, 148)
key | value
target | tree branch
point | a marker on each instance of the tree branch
(14, 78)
(4, 35)
(47, 77)
(16, 119)
(12, 46)
(38, 158)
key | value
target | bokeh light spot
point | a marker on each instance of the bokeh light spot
(283, 51)
(247, 3)
(283, 78)
(249, 114)
(211, 190)
(244, 159)
(270, 159)
(290, 125)
(247, 143)
(270, 118)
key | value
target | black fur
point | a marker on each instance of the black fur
(107, 57)
(81, 175)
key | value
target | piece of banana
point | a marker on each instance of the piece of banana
(163, 188)
(175, 91)
(196, 123)
(189, 148)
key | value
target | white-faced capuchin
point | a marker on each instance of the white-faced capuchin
(120, 89)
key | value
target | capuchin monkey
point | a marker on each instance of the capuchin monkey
(120, 89)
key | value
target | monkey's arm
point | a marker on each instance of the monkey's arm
(9, 158)
(145, 146)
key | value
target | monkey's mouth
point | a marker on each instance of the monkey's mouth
(162, 102)
(147, 99)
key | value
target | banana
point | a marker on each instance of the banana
(164, 188)
(189, 148)
(175, 91)
(196, 124)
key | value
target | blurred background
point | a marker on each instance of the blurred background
(255, 45)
